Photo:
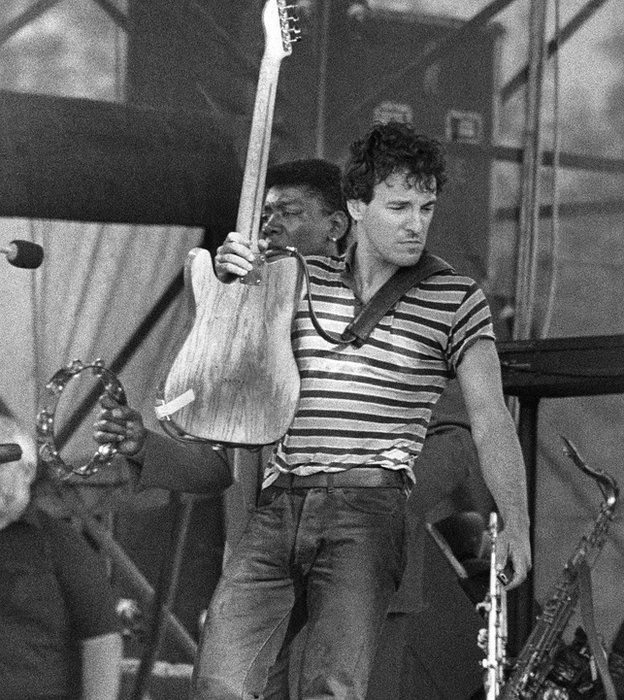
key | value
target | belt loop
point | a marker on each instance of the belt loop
(407, 483)
(291, 479)
(330, 482)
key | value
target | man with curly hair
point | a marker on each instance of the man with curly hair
(329, 528)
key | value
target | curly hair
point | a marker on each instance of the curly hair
(389, 148)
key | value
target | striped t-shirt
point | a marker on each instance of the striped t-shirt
(370, 406)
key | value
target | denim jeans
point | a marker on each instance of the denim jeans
(340, 548)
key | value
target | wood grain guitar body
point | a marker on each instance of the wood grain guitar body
(236, 361)
(234, 380)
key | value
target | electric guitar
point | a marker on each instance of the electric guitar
(234, 380)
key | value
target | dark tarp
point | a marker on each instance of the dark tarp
(86, 160)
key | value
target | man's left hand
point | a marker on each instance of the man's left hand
(513, 545)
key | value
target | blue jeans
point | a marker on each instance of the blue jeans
(342, 549)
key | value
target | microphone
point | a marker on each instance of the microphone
(10, 452)
(23, 254)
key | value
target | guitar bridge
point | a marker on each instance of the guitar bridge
(254, 276)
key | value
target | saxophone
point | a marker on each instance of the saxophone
(536, 659)
(495, 605)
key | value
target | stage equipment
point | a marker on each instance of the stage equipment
(372, 73)
(557, 367)
(531, 674)
(495, 605)
(73, 159)
(48, 451)
(551, 368)
(23, 254)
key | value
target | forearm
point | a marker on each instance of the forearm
(101, 667)
(191, 468)
(162, 462)
(503, 469)
(500, 456)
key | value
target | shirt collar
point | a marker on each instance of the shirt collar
(349, 265)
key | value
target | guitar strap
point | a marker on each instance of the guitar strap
(386, 297)
(382, 301)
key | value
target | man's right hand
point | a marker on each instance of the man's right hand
(16, 477)
(15, 480)
(234, 257)
(121, 426)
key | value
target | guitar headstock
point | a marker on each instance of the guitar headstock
(280, 30)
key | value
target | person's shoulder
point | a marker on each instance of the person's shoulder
(327, 263)
(447, 281)
(452, 277)
(326, 259)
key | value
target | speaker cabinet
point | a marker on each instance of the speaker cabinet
(354, 65)
(357, 66)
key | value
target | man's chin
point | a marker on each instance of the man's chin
(409, 259)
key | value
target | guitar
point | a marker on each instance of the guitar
(234, 380)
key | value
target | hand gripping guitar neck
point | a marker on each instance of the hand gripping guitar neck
(234, 379)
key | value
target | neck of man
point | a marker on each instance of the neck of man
(370, 272)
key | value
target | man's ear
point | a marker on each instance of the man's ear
(339, 223)
(356, 208)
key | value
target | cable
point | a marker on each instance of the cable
(528, 239)
(555, 227)
(275, 251)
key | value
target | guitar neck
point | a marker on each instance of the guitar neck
(252, 191)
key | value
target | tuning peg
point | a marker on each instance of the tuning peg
(292, 15)
(294, 34)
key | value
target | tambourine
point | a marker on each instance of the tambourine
(48, 452)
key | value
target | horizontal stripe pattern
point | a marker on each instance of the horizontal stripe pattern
(370, 406)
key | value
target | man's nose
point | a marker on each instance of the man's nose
(271, 225)
(416, 222)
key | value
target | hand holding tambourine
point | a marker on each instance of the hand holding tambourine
(49, 450)
(120, 425)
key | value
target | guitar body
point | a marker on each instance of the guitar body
(237, 358)
(234, 380)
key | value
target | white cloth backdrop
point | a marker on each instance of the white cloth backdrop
(94, 288)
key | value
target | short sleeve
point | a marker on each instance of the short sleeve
(472, 322)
